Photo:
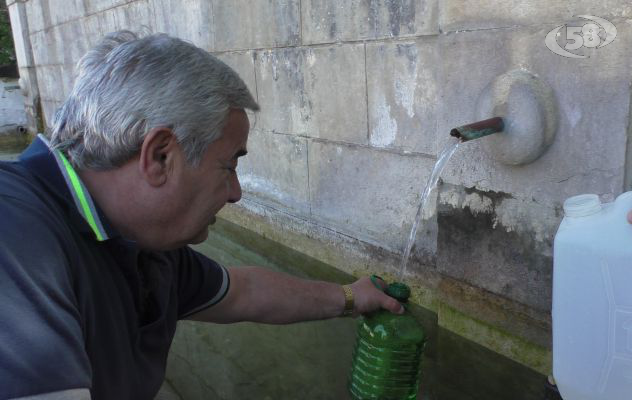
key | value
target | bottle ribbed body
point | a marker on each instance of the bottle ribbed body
(387, 357)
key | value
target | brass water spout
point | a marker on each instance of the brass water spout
(478, 129)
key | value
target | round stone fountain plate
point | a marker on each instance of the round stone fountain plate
(529, 110)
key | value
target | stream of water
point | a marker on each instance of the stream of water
(442, 161)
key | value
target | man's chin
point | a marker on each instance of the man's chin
(201, 236)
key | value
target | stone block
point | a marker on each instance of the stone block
(458, 16)
(96, 6)
(369, 194)
(593, 99)
(62, 11)
(19, 28)
(107, 21)
(190, 20)
(262, 23)
(67, 79)
(92, 30)
(44, 47)
(28, 82)
(70, 40)
(49, 81)
(332, 21)
(402, 92)
(300, 95)
(49, 108)
(244, 64)
(132, 16)
(38, 15)
(275, 172)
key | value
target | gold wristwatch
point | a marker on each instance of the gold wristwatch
(348, 311)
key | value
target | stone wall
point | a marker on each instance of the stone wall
(357, 100)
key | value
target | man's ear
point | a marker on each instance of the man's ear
(158, 154)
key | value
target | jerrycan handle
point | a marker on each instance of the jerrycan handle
(623, 205)
(624, 200)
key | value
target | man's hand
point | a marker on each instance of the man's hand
(368, 298)
(630, 217)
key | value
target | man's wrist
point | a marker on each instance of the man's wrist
(348, 310)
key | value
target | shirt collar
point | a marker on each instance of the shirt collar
(54, 169)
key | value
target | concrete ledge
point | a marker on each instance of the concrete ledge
(501, 325)
(515, 348)
(14, 142)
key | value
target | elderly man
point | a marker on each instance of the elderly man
(94, 267)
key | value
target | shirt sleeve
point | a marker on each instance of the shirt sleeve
(41, 340)
(202, 282)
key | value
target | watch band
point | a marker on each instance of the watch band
(348, 311)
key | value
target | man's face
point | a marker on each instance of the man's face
(205, 189)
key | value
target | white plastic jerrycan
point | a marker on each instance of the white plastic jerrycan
(592, 300)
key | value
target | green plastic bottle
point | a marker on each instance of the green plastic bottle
(387, 356)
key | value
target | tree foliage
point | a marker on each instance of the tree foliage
(7, 52)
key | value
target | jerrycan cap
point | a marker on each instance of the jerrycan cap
(582, 205)
(399, 291)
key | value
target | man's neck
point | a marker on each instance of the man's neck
(116, 196)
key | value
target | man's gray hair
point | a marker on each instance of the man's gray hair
(127, 85)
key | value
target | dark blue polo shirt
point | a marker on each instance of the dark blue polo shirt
(80, 306)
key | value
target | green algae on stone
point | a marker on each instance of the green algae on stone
(526, 353)
(14, 143)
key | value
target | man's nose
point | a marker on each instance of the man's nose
(234, 194)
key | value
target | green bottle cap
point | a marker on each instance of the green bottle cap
(399, 291)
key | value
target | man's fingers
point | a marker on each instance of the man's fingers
(393, 306)
(370, 296)
(378, 282)
(630, 217)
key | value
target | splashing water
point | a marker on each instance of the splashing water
(442, 161)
